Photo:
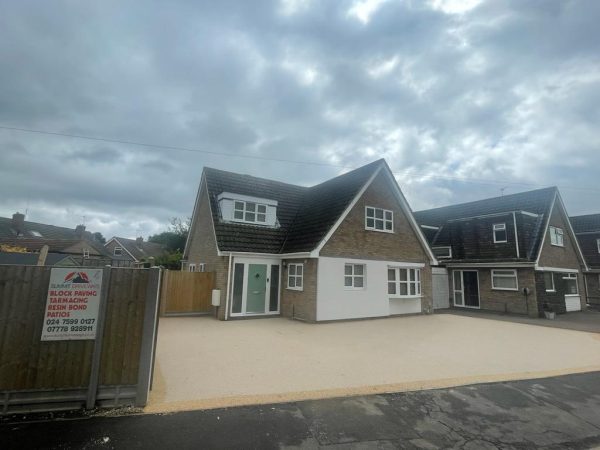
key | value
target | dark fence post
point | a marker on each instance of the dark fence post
(96, 356)
(148, 337)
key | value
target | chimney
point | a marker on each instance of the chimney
(138, 242)
(79, 230)
(18, 223)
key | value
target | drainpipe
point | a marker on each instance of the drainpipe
(228, 284)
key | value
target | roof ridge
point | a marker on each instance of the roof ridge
(270, 180)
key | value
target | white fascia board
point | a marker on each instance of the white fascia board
(537, 260)
(556, 269)
(268, 255)
(408, 213)
(480, 216)
(114, 238)
(246, 198)
(527, 213)
(342, 217)
(491, 264)
(573, 236)
(430, 227)
(194, 214)
(367, 261)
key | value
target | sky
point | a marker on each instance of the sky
(464, 99)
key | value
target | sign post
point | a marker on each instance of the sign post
(72, 304)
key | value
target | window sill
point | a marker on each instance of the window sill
(557, 245)
(505, 289)
(346, 288)
(380, 231)
(572, 295)
(551, 291)
(294, 289)
(404, 297)
(500, 242)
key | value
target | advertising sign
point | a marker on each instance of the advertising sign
(72, 304)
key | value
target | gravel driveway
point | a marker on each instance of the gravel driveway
(205, 363)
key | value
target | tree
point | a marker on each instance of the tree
(175, 237)
(97, 236)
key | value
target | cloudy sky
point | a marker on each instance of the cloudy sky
(462, 98)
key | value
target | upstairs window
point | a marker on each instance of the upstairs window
(556, 237)
(571, 287)
(500, 235)
(354, 276)
(598, 244)
(191, 267)
(442, 252)
(86, 253)
(118, 251)
(295, 276)
(378, 219)
(249, 212)
(404, 282)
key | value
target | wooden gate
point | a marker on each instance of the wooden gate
(186, 292)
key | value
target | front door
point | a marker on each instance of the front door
(257, 288)
(466, 288)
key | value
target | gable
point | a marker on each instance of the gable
(201, 243)
(555, 256)
(351, 239)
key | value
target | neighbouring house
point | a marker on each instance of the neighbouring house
(587, 230)
(516, 253)
(74, 244)
(347, 248)
(133, 252)
(33, 259)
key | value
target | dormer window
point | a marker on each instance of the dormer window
(556, 237)
(86, 253)
(246, 209)
(500, 235)
(442, 252)
(249, 212)
(118, 251)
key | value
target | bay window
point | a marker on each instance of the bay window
(404, 282)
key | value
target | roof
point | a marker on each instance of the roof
(304, 214)
(31, 259)
(54, 245)
(46, 231)
(139, 252)
(585, 224)
(462, 226)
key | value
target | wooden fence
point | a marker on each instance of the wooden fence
(111, 370)
(186, 292)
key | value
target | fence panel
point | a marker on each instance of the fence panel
(186, 292)
(50, 375)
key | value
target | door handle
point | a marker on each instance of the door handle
(256, 292)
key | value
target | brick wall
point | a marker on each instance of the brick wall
(504, 301)
(554, 256)
(593, 288)
(202, 248)
(300, 304)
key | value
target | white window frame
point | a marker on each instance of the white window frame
(598, 244)
(553, 285)
(384, 220)
(191, 267)
(202, 267)
(572, 276)
(295, 276)
(555, 232)
(443, 256)
(413, 278)
(86, 253)
(354, 276)
(245, 211)
(500, 275)
(500, 227)
(120, 251)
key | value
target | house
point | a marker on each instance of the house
(347, 248)
(76, 243)
(33, 259)
(587, 230)
(516, 253)
(133, 252)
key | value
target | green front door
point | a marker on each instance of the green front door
(257, 288)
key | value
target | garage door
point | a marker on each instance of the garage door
(573, 303)
(440, 288)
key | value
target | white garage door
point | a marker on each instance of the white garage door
(573, 303)
(441, 293)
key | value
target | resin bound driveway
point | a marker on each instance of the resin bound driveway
(205, 363)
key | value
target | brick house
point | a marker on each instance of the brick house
(347, 248)
(587, 230)
(127, 252)
(516, 253)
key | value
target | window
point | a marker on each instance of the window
(598, 244)
(500, 233)
(354, 276)
(549, 281)
(86, 253)
(36, 233)
(505, 280)
(404, 282)
(442, 252)
(201, 267)
(249, 212)
(295, 276)
(571, 287)
(191, 267)
(556, 237)
(378, 219)
(118, 251)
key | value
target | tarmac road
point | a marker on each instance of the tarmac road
(553, 413)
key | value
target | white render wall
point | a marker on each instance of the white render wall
(335, 302)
